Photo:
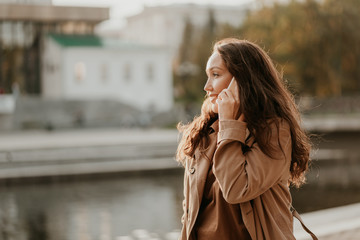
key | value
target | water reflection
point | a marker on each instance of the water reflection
(36, 225)
(92, 209)
(9, 219)
(106, 208)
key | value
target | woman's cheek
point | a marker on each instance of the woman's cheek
(221, 84)
(218, 87)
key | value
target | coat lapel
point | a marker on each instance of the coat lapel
(202, 165)
(205, 159)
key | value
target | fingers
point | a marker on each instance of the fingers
(228, 105)
(227, 98)
(227, 95)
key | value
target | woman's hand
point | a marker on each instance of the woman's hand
(229, 104)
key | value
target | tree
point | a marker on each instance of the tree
(202, 52)
(317, 43)
(189, 72)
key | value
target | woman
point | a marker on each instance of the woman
(243, 151)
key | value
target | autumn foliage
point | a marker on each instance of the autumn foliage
(315, 44)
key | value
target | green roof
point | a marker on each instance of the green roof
(96, 41)
(77, 40)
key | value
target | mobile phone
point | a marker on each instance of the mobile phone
(232, 86)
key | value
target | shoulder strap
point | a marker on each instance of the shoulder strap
(297, 215)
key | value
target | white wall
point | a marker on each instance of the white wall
(156, 22)
(52, 70)
(104, 77)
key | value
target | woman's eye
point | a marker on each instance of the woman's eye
(215, 74)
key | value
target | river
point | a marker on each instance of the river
(107, 207)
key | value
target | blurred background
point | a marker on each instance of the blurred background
(91, 92)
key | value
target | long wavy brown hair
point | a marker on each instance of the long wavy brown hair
(263, 97)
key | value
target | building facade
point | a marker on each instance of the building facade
(164, 25)
(92, 68)
(23, 25)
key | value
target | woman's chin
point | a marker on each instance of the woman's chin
(214, 108)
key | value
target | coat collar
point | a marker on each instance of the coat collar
(215, 126)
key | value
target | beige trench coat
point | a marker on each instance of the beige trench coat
(258, 183)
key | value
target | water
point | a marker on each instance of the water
(104, 208)
(91, 209)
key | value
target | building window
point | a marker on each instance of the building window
(80, 71)
(104, 72)
(127, 72)
(150, 72)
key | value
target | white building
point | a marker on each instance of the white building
(23, 23)
(40, 2)
(164, 25)
(90, 68)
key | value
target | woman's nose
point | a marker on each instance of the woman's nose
(208, 87)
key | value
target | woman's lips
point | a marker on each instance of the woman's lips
(213, 98)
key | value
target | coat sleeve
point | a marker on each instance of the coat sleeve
(243, 177)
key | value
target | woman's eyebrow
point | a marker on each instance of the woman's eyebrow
(212, 68)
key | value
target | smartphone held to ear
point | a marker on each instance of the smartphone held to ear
(232, 86)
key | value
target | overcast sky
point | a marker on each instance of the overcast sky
(119, 9)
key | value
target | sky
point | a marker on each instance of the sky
(120, 9)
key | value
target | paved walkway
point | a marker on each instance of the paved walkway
(353, 234)
(340, 223)
(85, 137)
(39, 153)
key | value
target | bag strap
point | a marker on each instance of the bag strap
(297, 216)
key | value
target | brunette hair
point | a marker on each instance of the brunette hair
(263, 97)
